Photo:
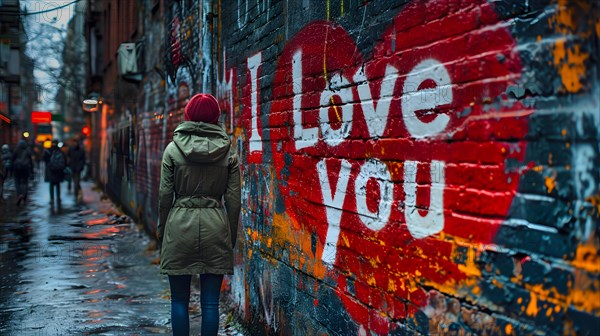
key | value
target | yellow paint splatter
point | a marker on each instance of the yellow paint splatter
(299, 244)
(549, 312)
(564, 132)
(550, 183)
(586, 258)
(371, 281)
(569, 61)
(336, 109)
(508, 329)
(532, 308)
(570, 65)
(582, 294)
(564, 18)
(345, 240)
(392, 286)
(402, 285)
(595, 201)
(538, 169)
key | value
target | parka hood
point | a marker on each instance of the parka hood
(202, 142)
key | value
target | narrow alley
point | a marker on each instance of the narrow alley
(354, 168)
(83, 269)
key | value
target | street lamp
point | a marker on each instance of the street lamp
(92, 103)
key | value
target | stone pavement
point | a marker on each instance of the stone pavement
(83, 268)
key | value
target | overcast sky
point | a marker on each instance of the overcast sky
(50, 25)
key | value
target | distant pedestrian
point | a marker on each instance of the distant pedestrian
(56, 162)
(197, 230)
(38, 155)
(6, 156)
(22, 170)
(2, 176)
(76, 163)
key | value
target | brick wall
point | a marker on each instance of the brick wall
(408, 166)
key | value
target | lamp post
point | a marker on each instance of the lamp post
(91, 105)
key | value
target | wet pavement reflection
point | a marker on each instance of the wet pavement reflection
(81, 268)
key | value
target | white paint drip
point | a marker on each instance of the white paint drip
(255, 141)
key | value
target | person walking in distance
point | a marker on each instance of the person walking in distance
(22, 169)
(56, 162)
(6, 156)
(199, 209)
(76, 162)
(3, 174)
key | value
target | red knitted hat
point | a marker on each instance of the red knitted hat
(203, 107)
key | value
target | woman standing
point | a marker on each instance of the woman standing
(199, 208)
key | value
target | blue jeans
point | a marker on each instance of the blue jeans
(210, 289)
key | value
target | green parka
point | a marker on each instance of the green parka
(199, 201)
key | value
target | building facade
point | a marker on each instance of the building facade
(18, 93)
